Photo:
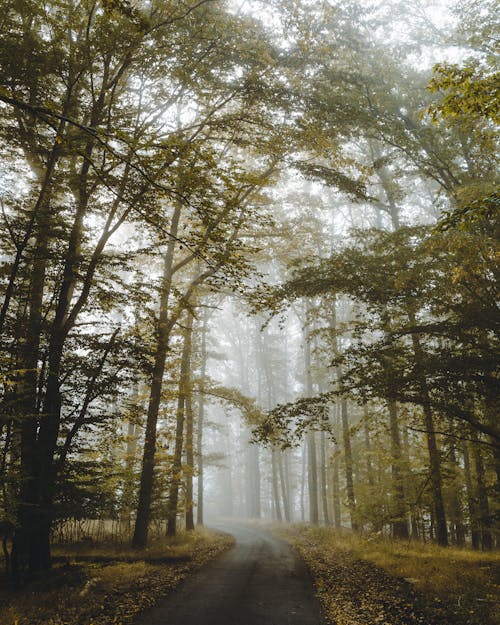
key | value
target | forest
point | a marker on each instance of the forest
(249, 269)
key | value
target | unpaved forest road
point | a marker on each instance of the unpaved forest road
(260, 581)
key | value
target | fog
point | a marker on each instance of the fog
(248, 269)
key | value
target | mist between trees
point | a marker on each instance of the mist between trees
(248, 268)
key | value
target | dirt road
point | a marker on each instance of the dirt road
(258, 582)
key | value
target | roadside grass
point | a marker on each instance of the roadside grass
(461, 585)
(112, 585)
(172, 549)
(432, 569)
(447, 572)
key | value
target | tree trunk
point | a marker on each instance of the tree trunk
(435, 478)
(399, 521)
(303, 482)
(140, 537)
(40, 216)
(283, 473)
(312, 479)
(323, 476)
(312, 464)
(31, 550)
(200, 424)
(346, 438)
(253, 482)
(368, 448)
(492, 405)
(199, 455)
(48, 431)
(410, 491)
(129, 481)
(434, 458)
(337, 512)
(471, 500)
(483, 507)
(276, 495)
(346, 435)
(189, 459)
(176, 469)
(456, 517)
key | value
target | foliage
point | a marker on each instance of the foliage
(248, 407)
(469, 91)
(286, 424)
(414, 281)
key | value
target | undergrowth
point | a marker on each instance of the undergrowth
(449, 585)
(110, 592)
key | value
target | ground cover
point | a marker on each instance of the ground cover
(109, 585)
(362, 580)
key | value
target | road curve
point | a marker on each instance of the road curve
(260, 581)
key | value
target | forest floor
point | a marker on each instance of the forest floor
(381, 582)
(106, 585)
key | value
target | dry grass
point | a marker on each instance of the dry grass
(178, 548)
(109, 593)
(462, 583)
(432, 569)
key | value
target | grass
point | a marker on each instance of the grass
(450, 571)
(172, 549)
(437, 570)
(113, 587)
(464, 581)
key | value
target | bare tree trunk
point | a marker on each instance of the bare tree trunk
(471, 500)
(228, 488)
(434, 458)
(189, 459)
(337, 516)
(368, 448)
(253, 475)
(324, 480)
(435, 475)
(283, 473)
(253, 483)
(200, 511)
(303, 482)
(312, 465)
(346, 435)
(335, 470)
(39, 217)
(456, 516)
(129, 485)
(312, 479)
(399, 521)
(140, 537)
(31, 548)
(483, 507)
(200, 424)
(409, 488)
(346, 438)
(176, 469)
(492, 405)
(276, 495)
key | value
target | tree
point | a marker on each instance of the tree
(97, 139)
(416, 278)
